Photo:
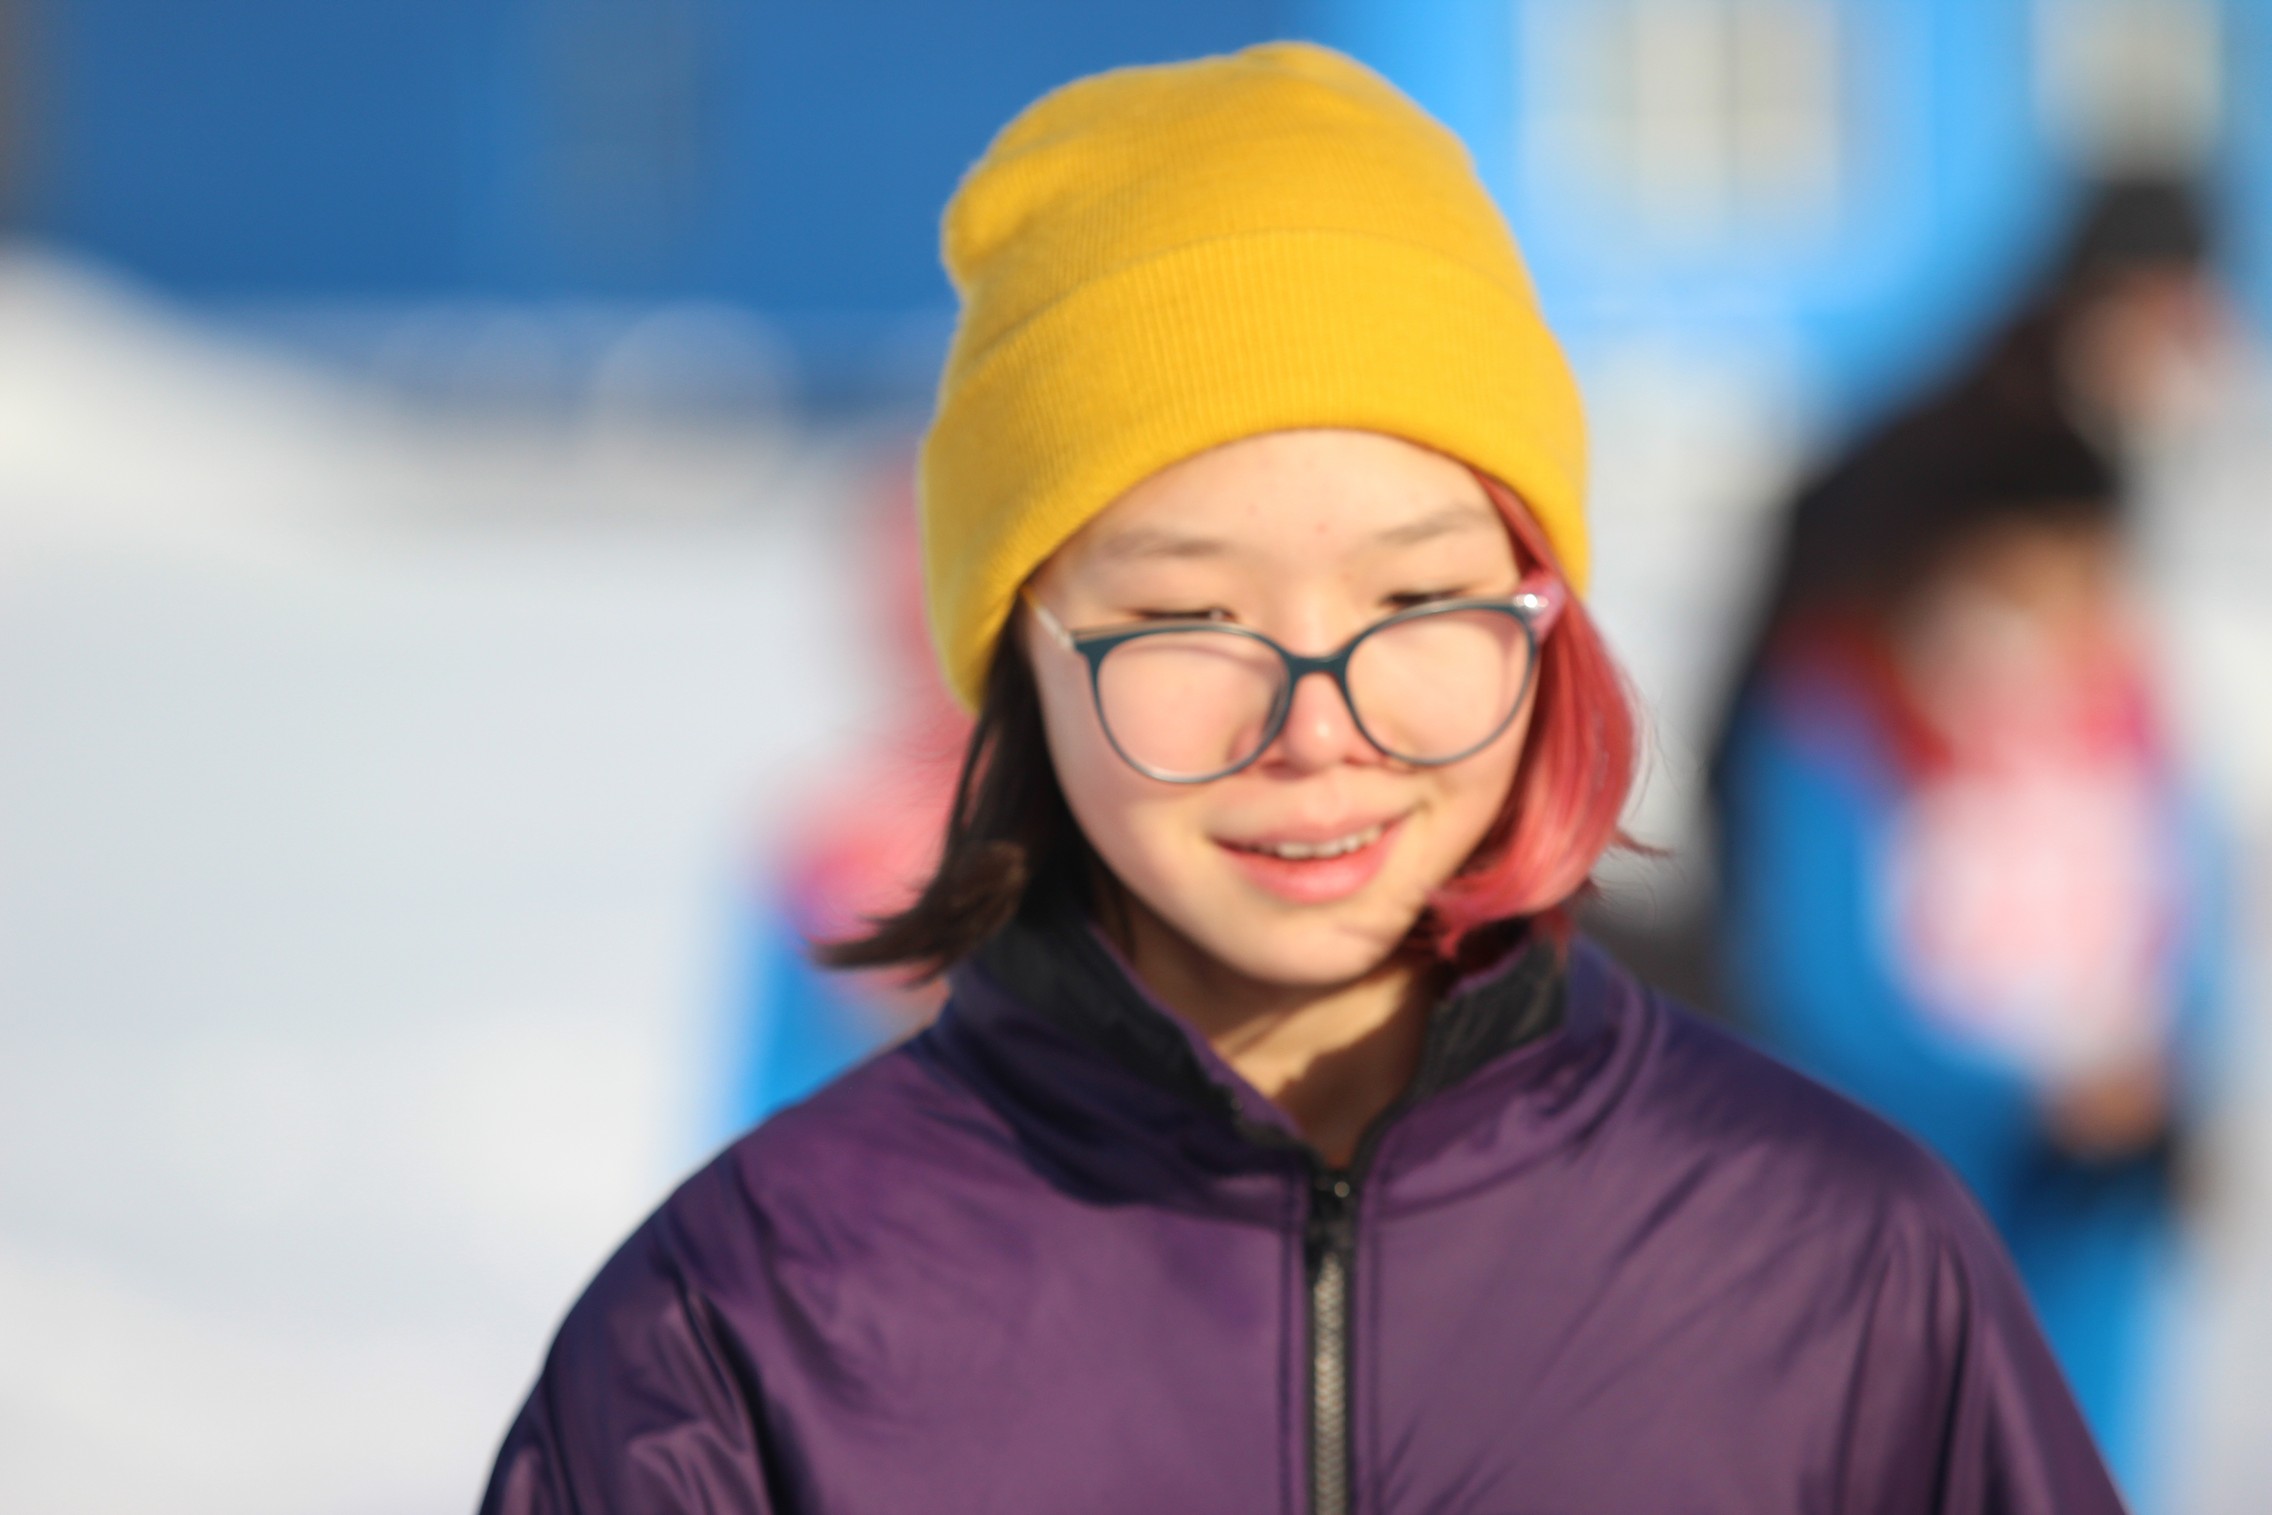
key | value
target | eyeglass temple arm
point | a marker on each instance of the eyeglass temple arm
(1049, 623)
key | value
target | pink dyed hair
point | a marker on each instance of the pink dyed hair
(1570, 786)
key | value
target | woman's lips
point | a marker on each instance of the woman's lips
(1334, 868)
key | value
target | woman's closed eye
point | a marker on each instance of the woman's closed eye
(1207, 613)
(1411, 599)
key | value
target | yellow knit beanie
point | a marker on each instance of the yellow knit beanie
(1156, 261)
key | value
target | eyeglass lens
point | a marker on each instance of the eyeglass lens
(1196, 703)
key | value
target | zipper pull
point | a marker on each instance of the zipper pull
(1331, 1226)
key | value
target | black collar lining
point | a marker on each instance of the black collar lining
(1050, 959)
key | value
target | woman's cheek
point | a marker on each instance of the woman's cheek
(1129, 823)
(1123, 831)
(1474, 796)
(1488, 795)
(1078, 749)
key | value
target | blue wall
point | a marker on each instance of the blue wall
(1951, 197)
(791, 156)
(2246, 167)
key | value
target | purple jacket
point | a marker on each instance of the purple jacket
(1053, 1255)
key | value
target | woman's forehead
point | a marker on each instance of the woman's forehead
(1291, 495)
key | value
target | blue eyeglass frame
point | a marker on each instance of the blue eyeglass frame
(1527, 606)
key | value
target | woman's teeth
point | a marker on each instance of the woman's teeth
(1304, 852)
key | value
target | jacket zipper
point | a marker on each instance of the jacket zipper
(1330, 1248)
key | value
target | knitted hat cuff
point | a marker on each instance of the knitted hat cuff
(1220, 339)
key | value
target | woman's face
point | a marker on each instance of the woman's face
(1309, 537)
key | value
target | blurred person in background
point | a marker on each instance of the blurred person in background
(1963, 878)
(859, 845)
(1278, 1146)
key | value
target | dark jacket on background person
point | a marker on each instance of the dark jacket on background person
(1053, 1254)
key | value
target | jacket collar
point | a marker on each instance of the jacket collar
(1049, 1015)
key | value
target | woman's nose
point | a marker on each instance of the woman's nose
(1320, 731)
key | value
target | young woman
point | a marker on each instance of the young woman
(1278, 1149)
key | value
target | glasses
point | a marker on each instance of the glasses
(1185, 702)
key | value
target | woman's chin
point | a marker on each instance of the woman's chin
(1303, 954)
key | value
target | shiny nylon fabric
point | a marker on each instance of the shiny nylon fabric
(1037, 1261)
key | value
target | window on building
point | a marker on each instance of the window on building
(628, 105)
(2130, 85)
(1697, 118)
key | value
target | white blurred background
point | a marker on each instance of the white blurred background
(377, 785)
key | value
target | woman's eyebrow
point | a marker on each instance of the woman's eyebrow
(1160, 542)
(1459, 516)
(1157, 542)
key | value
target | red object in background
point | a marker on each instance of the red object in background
(864, 841)
(2032, 885)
